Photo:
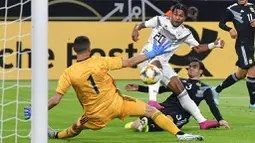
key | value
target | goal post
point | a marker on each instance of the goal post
(39, 71)
(18, 32)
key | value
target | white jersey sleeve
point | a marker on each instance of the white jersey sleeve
(191, 41)
(152, 23)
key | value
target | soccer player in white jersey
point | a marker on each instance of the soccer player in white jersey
(171, 28)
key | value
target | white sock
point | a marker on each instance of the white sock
(190, 106)
(153, 91)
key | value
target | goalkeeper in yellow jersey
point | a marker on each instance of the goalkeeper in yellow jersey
(99, 96)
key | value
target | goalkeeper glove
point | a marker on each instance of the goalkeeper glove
(159, 49)
(27, 112)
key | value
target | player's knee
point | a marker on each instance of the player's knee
(175, 85)
(251, 71)
(150, 111)
(241, 75)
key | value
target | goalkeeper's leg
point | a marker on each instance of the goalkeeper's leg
(135, 107)
(72, 131)
(82, 123)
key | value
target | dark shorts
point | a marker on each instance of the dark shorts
(179, 115)
(245, 56)
(180, 118)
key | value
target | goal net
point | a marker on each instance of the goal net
(16, 63)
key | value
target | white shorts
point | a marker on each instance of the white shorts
(167, 70)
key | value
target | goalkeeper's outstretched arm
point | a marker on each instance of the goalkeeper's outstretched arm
(157, 49)
(54, 100)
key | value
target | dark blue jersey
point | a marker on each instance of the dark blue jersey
(241, 16)
(197, 90)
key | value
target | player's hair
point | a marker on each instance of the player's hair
(201, 64)
(180, 7)
(81, 44)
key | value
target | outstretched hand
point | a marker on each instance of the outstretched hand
(225, 124)
(159, 48)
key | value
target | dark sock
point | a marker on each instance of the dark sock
(180, 133)
(228, 82)
(56, 136)
(250, 82)
(154, 128)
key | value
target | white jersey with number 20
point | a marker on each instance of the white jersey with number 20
(162, 30)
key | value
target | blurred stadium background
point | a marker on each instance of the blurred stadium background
(109, 23)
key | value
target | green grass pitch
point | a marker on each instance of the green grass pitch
(233, 106)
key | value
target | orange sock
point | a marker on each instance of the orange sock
(67, 133)
(165, 123)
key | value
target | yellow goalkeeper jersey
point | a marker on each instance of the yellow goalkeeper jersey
(94, 87)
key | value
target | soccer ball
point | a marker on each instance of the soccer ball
(150, 74)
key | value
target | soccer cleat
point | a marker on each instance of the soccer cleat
(128, 125)
(51, 133)
(208, 124)
(215, 95)
(155, 104)
(143, 126)
(252, 106)
(189, 137)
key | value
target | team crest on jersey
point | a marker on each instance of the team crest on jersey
(252, 10)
